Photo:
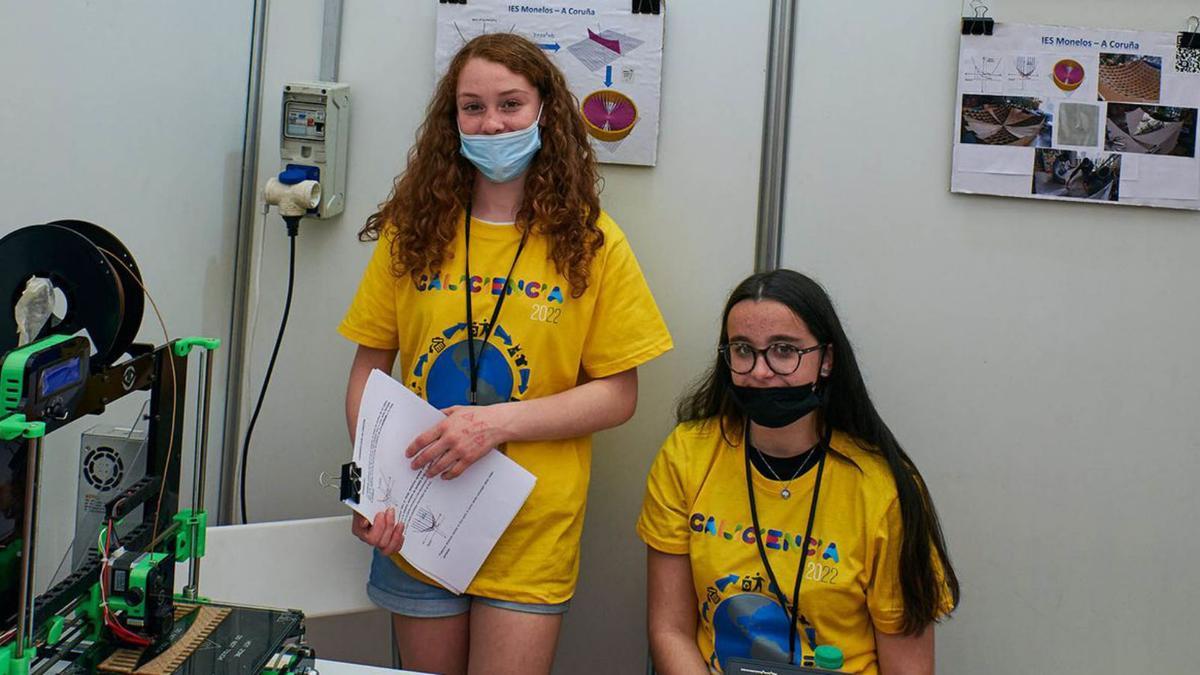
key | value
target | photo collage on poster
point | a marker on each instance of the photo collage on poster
(1077, 114)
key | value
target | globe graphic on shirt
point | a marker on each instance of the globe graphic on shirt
(449, 381)
(750, 626)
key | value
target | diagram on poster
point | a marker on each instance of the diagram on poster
(611, 57)
(1078, 114)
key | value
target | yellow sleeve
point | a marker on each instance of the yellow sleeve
(371, 320)
(885, 598)
(666, 508)
(627, 329)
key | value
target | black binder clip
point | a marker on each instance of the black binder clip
(981, 23)
(350, 485)
(1190, 38)
(647, 6)
(453, 2)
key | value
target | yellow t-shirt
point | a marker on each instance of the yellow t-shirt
(543, 340)
(696, 505)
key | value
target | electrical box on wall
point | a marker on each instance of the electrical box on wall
(313, 139)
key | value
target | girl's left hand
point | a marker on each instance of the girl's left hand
(458, 441)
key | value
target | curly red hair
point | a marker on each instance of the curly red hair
(561, 199)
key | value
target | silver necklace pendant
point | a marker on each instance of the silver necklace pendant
(785, 492)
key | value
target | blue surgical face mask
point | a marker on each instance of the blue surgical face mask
(502, 157)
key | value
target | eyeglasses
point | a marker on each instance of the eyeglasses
(782, 358)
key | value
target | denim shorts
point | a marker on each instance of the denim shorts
(396, 591)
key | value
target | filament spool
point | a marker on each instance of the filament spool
(95, 273)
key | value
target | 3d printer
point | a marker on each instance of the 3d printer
(117, 611)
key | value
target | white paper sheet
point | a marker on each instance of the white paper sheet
(1162, 178)
(450, 525)
(986, 159)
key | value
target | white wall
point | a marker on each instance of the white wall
(1036, 359)
(387, 57)
(130, 115)
(691, 221)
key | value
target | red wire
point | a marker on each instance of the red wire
(109, 620)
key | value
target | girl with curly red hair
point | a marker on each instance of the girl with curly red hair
(516, 305)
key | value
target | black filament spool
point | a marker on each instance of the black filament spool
(102, 296)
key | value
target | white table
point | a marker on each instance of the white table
(242, 565)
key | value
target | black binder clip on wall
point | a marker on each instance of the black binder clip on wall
(981, 23)
(647, 6)
(349, 485)
(1190, 38)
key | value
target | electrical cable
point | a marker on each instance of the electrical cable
(119, 630)
(141, 448)
(174, 406)
(293, 227)
(110, 620)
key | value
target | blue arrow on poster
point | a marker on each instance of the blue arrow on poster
(549, 46)
(608, 76)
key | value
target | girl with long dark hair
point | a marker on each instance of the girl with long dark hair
(784, 520)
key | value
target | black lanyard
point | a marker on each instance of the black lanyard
(487, 332)
(793, 615)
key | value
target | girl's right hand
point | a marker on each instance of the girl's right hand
(385, 533)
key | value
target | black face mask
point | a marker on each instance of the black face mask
(775, 407)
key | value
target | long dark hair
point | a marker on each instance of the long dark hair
(848, 408)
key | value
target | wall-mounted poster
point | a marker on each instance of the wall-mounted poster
(611, 57)
(1078, 114)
